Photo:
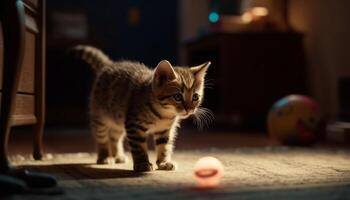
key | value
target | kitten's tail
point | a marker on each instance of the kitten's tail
(92, 56)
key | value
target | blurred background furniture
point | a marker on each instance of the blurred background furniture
(250, 71)
(22, 70)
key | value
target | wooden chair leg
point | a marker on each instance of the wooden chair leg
(38, 128)
(12, 17)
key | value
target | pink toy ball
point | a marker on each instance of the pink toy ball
(208, 172)
(295, 120)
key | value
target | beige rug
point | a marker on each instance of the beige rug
(250, 173)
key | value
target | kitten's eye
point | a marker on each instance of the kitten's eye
(178, 97)
(195, 97)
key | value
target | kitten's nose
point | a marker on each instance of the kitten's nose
(188, 111)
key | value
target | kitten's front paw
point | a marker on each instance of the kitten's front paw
(168, 166)
(102, 161)
(143, 167)
(120, 159)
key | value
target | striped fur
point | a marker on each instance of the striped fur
(92, 56)
(129, 100)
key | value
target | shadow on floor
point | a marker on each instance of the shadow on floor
(170, 192)
(84, 171)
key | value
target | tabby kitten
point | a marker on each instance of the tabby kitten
(129, 99)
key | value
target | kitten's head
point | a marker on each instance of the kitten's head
(179, 89)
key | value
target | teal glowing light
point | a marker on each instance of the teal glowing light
(214, 17)
(281, 103)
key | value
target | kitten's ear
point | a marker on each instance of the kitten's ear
(200, 70)
(163, 73)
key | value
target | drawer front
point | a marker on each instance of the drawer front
(25, 110)
(27, 75)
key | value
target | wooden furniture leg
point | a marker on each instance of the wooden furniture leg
(38, 128)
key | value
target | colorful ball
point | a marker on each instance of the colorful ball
(208, 172)
(295, 120)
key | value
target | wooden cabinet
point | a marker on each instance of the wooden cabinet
(31, 76)
(249, 72)
(29, 102)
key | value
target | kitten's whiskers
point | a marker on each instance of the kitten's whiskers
(203, 117)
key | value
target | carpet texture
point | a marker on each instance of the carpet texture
(250, 173)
